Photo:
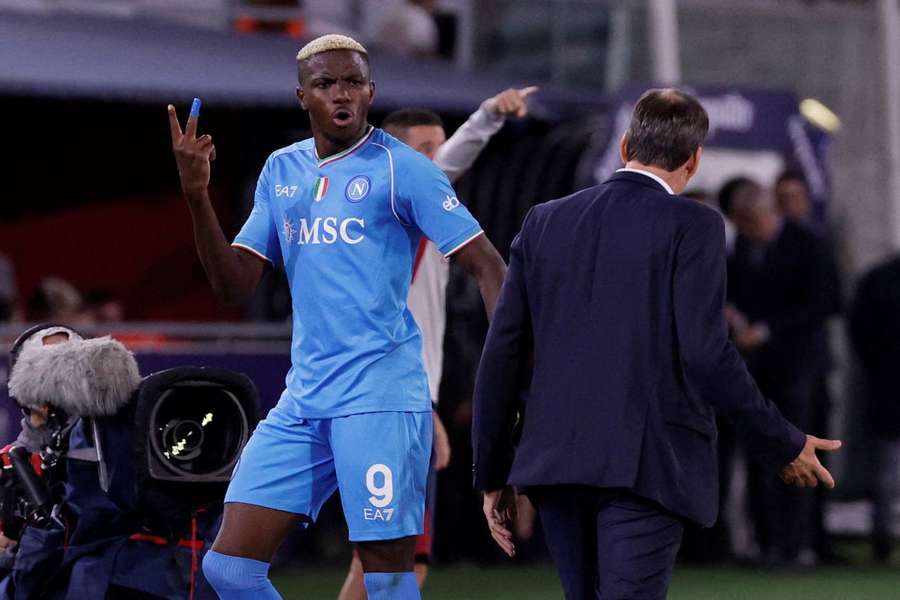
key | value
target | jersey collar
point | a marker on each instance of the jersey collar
(335, 157)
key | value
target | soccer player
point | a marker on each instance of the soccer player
(344, 212)
(423, 131)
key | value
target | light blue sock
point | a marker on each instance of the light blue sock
(392, 586)
(236, 578)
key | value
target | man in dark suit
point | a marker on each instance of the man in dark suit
(875, 333)
(618, 292)
(781, 292)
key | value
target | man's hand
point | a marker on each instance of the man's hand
(751, 337)
(735, 318)
(441, 444)
(806, 470)
(500, 512)
(511, 102)
(192, 154)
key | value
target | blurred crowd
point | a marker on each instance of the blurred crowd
(55, 300)
(783, 288)
(417, 29)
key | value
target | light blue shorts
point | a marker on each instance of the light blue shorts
(378, 461)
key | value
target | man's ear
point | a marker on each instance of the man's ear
(623, 148)
(371, 92)
(693, 163)
(300, 97)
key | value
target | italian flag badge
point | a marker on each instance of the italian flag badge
(321, 188)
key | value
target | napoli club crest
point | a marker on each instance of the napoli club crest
(358, 188)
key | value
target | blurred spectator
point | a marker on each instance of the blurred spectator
(102, 307)
(875, 334)
(410, 29)
(699, 195)
(781, 289)
(792, 196)
(56, 300)
(8, 292)
(794, 202)
(726, 193)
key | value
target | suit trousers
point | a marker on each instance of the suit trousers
(608, 544)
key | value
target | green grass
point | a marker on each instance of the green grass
(690, 583)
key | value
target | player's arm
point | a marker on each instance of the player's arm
(714, 370)
(458, 153)
(233, 274)
(481, 260)
(425, 199)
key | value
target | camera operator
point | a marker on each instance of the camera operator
(114, 489)
(35, 435)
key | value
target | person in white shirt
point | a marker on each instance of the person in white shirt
(423, 130)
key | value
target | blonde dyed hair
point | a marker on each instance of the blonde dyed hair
(332, 41)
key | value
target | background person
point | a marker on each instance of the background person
(781, 292)
(875, 333)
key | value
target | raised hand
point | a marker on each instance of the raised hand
(806, 470)
(500, 512)
(512, 102)
(192, 154)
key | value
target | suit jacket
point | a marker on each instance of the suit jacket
(619, 292)
(790, 285)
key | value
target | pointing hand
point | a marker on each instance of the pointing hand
(511, 102)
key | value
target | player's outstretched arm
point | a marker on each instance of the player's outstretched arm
(232, 273)
(481, 260)
(458, 153)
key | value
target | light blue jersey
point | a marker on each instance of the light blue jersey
(346, 229)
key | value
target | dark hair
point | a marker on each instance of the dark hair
(411, 117)
(667, 127)
(727, 192)
(791, 175)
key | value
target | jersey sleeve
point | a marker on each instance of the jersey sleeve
(258, 235)
(425, 199)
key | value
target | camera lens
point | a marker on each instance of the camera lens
(182, 440)
(198, 428)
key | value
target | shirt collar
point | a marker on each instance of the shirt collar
(655, 178)
(339, 155)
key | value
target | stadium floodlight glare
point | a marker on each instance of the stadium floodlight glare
(820, 115)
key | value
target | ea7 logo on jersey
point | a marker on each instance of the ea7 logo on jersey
(450, 203)
(285, 190)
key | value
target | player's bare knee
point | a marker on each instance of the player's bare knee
(253, 532)
(388, 556)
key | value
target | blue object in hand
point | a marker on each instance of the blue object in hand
(195, 107)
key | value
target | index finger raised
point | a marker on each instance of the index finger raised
(527, 91)
(174, 125)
